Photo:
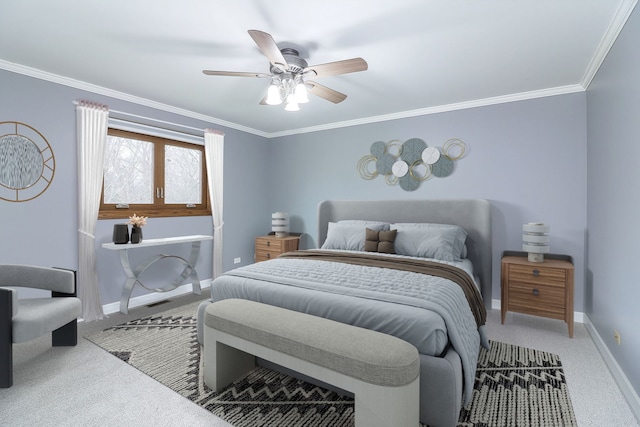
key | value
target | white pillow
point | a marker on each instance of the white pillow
(347, 236)
(372, 225)
(439, 241)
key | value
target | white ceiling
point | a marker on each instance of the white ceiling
(424, 55)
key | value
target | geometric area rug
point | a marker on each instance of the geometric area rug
(514, 386)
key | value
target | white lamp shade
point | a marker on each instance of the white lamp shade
(273, 95)
(292, 105)
(280, 223)
(535, 240)
(301, 94)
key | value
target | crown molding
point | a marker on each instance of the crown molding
(609, 38)
(54, 78)
(78, 84)
(562, 90)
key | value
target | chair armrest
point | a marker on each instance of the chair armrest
(75, 287)
(8, 302)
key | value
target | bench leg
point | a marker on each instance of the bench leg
(223, 364)
(387, 406)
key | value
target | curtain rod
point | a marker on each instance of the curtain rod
(135, 116)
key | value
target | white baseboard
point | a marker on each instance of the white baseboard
(578, 316)
(621, 379)
(154, 297)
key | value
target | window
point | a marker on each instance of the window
(152, 176)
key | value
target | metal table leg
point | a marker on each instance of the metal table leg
(133, 275)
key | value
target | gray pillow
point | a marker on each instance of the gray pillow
(439, 241)
(348, 236)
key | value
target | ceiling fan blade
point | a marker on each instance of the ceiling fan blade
(338, 67)
(269, 48)
(326, 93)
(235, 74)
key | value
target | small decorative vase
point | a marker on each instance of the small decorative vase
(136, 234)
(120, 234)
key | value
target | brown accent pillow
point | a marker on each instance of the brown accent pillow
(371, 240)
(380, 241)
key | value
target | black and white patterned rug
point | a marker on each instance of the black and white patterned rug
(515, 386)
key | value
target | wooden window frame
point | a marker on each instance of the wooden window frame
(158, 208)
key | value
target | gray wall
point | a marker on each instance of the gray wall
(528, 158)
(613, 291)
(43, 231)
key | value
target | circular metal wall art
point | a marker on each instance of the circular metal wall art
(408, 164)
(454, 148)
(364, 168)
(27, 164)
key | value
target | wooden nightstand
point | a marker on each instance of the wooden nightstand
(269, 247)
(538, 288)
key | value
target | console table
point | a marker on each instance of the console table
(133, 274)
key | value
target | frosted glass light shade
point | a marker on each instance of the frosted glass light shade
(292, 105)
(273, 95)
(301, 94)
(535, 240)
(280, 223)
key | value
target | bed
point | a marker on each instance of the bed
(384, 292)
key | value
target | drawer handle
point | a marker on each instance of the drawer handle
(536, 292)
(536, 273)
(268, 255)
(268, 243)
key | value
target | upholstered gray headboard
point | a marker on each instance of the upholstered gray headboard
(474, 215)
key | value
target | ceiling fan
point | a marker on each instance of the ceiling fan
(291, 75)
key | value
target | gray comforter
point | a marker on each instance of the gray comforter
(427, 311)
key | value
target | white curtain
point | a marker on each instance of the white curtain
(91, 135)
(214, 153)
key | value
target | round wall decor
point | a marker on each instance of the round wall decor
(27, 164)
(411, 162)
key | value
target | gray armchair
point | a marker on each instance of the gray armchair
(29, 318)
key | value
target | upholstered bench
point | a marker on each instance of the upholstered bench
(382, 371)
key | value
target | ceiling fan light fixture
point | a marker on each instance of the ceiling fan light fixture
(287, 71)
(273, 95)
(292, 105)
(301, 93)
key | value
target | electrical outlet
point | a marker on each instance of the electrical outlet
(616, 336)
(237, 260)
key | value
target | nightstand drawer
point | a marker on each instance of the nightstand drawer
(537, 275)
(268, 245)
(539, 300)
(265, 255)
